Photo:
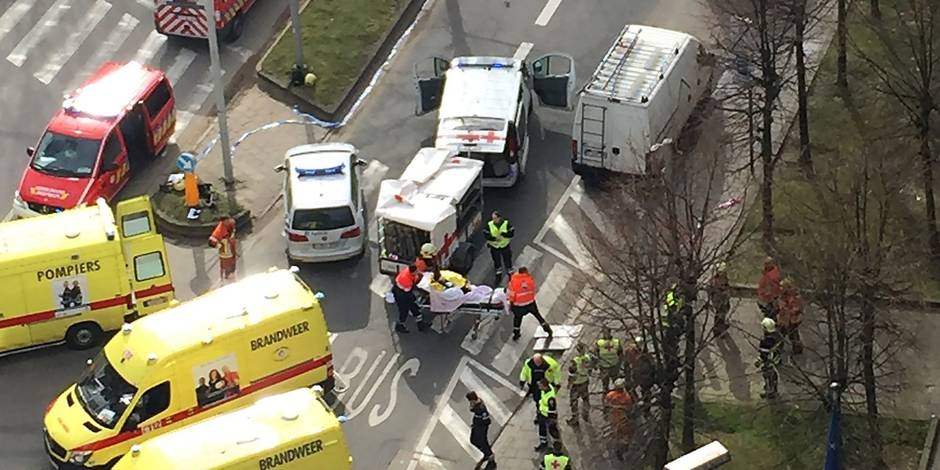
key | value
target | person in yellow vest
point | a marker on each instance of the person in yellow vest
(536, 368)
(499, 233)
(609, 354)
(579, 376)
(547, 415)
(557, 459)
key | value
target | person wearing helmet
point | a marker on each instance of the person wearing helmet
(719, 299)
(790, 314)
(618, 405)
(425, 260)
(769, 351)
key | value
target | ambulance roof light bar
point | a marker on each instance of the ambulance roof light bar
(485, 62)
(107, 218)
(107, 97)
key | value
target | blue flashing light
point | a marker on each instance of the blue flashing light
(335, 170)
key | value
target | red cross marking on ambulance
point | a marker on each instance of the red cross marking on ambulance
(490, 137)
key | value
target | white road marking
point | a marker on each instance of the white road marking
(107, 49)
(9, 216)
(522, 51)
(589, 207)
(546, 15)
(428, 458)
(495, 406)
(459, 429)
(569, 237)
(527, 258)
(49, 20)
(508, 356)
(77, 33)
(380, 284)
(184, 58)
(333, 337)
(411, 366)
(438, 410)
(352, 410)
(557, 209)
(13, 16)
(148, 4)
(150, 47)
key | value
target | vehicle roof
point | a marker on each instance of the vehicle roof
(316, 192)
(71, 230)
(251, 301)
(269, 425)
(637, 62)
(428, 189)
(95, 106)
(473, 89)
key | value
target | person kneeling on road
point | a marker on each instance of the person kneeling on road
(403, 290)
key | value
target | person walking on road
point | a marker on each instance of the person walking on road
(405, 298)
(579, 377)
(609, 356)
(769, 357)
(547, 415)
(618, 404)
(223, 238)
(499, 233)
(768, 289)
(536, 368)
(521, 296)
(557, 459)
(719, 298)
(790, 314)
(479, 431)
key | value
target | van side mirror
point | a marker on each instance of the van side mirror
(361, 162)
(30, 151)
(280, 168)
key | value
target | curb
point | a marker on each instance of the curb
(279, 89)
(930, 445)
(196, 232)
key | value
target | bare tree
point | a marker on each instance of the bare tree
(905, 62)
(842, 32)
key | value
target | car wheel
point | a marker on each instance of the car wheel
(83, 335)
(234, 29)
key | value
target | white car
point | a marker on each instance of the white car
(324, 205)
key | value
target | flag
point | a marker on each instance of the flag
(834, 442)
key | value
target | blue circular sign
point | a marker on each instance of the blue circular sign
(186, 162)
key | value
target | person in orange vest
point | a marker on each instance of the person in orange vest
(223, 238)
(405, 282)
(768, 289)
(521, 295)
(790, 314)
(618, 405)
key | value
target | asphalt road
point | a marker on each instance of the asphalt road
(405, 393)
(51, 46)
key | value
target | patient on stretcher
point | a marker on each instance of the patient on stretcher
(449, 291)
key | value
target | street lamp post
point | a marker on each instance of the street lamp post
(300, 69)
(219, 91)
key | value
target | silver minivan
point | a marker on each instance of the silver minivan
(324, 205)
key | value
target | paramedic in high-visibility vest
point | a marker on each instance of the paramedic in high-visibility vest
(499, 233)
(536, 368)
(403, 290)
(557, 459)
(609, 354)
(547, 417)
(223, 238)
(579, 378)
(521, 296)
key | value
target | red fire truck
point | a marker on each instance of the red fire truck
(187, 18)
(118, 121)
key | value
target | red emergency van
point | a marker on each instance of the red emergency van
(187, 18)
(105, 131)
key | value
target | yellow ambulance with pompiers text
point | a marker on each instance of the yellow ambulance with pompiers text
(296, 430)
(262, 335)
(76, 274)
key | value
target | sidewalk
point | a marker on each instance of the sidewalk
(257, 185)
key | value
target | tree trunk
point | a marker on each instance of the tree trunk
(926, 160)
(767, 180)
(663, 427)
(841, 33)
(806, 159)
(689, 396)
(875, 9)
(868, 377)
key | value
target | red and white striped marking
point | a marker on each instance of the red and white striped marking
(181, 21)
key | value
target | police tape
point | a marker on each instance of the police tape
(305, 120)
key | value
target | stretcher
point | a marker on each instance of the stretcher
(450, 303)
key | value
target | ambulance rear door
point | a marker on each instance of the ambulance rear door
(145, 255)
(429, 82)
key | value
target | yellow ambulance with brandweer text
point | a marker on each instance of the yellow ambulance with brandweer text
(76, 274)
(223, 350)
(291, 431)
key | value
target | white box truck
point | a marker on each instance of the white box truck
(642, 93)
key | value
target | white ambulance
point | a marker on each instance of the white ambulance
(485, 104)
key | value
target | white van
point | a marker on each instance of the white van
(485, 104)
(324, 205)
(641, 94)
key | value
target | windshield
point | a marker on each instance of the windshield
(103, 393)
(473, 124)
(62, 155)
(329, 218)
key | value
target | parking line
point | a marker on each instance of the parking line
(77, 33)
(150, 47)
(572, 241)
(557, 209)
(547, 12)
(116, 38)
(438, 410)
(184, 58)
(523, 50)
(12, 17)
(49, 20)
(495, 406)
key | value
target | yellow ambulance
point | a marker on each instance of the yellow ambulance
(292, 431)
(223, 350)
(78, 273)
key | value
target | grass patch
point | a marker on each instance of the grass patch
(778, 437)
(173, 205)
(339, 37)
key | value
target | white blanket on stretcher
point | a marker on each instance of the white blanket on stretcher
(452, 298)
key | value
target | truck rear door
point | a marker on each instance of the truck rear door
(144, 255)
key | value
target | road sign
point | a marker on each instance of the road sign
(186, 162)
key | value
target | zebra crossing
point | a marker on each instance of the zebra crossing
(62, 42)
